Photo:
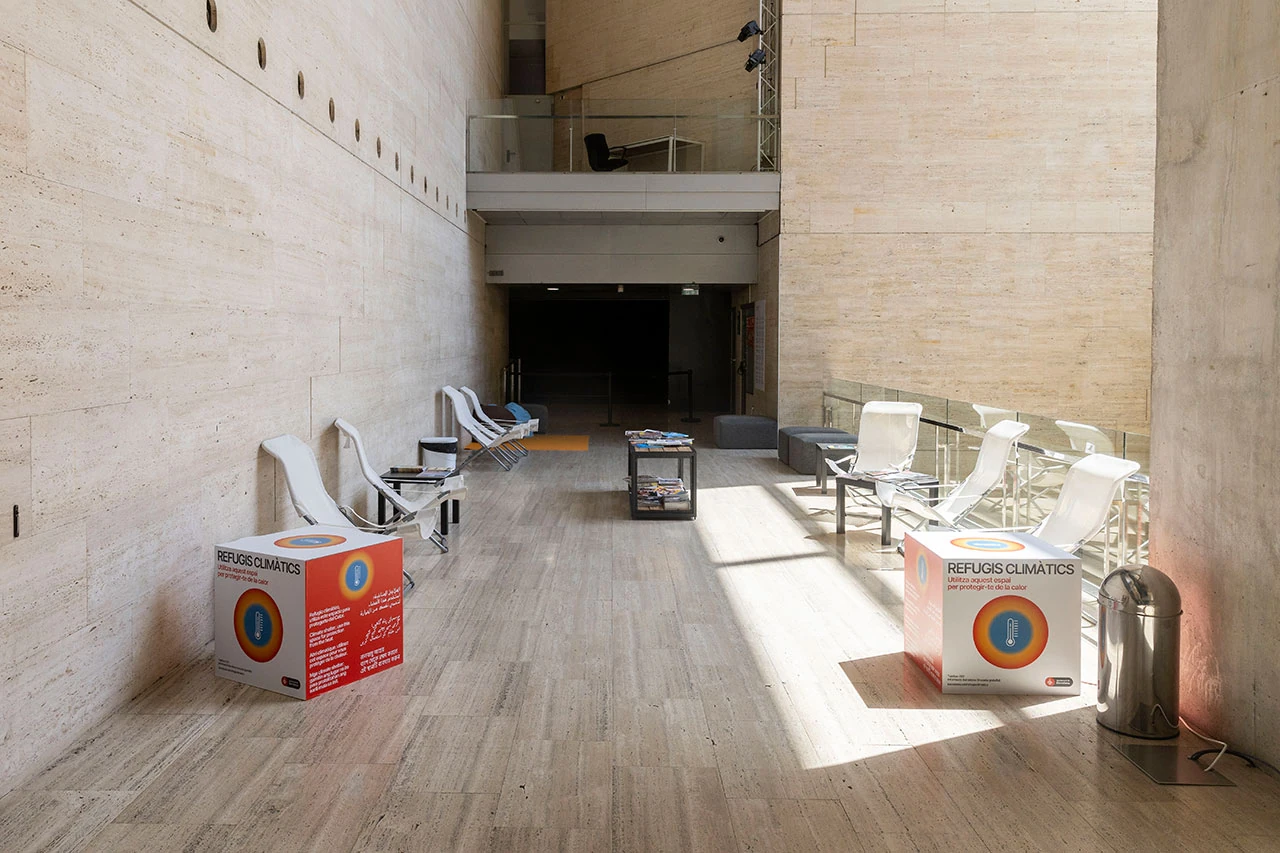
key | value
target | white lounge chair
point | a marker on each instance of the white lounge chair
(950, 510)
(522, 429)
(1084, 504)
(312, 501)
(1086, 438)
(887, 435)
(989, 416)
(491, 442)
(404, 505)
(512, 432)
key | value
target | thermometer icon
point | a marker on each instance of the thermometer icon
(1011, 632)
(257, 627)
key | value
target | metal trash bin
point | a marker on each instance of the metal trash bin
(1139, 625)
(438, 452)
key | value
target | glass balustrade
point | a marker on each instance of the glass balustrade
(550, 134)
(951, 432)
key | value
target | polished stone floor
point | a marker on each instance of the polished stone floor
(577, 681)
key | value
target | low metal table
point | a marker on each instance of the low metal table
(424, 478)
(843, 484)
(833, 451)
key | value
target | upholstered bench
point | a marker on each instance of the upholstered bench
(538, 411)
(784, 446)
(802, 454)
(745, 432)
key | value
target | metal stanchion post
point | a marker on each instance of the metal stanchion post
(609, 420)
(689, 385)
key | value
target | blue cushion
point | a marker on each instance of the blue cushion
(521, 413)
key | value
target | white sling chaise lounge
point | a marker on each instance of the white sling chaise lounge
(1084, 503)
(502, 426)
(887, 434)
(490, 442)
(403, 505)
(950, 510)
(312, 501)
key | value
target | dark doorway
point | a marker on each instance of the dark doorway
(569, 346)
(570, 339)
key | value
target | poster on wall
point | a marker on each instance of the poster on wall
(759, 344)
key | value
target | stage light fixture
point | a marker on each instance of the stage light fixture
(755, 59)
(750, 29)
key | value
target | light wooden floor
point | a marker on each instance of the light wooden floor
(578, 681)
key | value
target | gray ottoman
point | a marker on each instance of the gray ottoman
(537, 410)
(745, 432)
(784, 450)
(802, 455)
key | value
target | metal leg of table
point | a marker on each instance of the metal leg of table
(457, 516)
(444, 518)
(840, 490)
(693, 484)
(382, 509)
(886, 526)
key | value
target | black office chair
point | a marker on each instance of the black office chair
(600, 155)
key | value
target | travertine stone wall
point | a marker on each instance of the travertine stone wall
(1215, 411)
(967, 202)
(765, 399)
(195, 257)
(589, 41)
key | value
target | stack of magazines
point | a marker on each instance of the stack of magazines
(647, 438)
(655, 493)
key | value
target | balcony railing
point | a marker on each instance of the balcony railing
(653, 136)
(951, 431)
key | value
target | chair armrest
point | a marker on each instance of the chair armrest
(369, 526)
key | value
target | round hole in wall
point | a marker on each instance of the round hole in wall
(262, 54)
(211, 15)
(378, 145)
(333, 111)
(357, 130)
(720, 239)
(302, 86)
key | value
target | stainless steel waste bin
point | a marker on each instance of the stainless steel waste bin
(1139, 625)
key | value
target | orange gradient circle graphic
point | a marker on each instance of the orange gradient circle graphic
(310, 540)
(259, 628)
(987, 543)
(1010, 632)
(356, 576)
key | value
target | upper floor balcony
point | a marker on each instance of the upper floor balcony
(541, 153)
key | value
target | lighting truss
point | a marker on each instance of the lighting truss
(767, 130)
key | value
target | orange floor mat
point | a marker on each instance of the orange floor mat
(550, 442)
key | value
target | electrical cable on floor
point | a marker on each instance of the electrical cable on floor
(1194, 731)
